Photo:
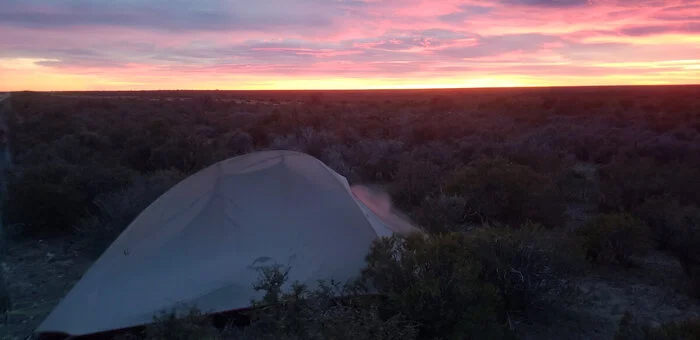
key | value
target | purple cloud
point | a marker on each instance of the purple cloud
(496, 45)
(547, 3)
(466, 12)
(157, 15)
(646, 30)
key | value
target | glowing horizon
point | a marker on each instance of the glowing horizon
(346, 44)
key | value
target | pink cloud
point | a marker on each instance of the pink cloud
(353, 38)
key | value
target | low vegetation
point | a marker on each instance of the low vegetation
(447, 286)
(500, 191)
(193, 325)
(115, 210)
(5, 301)
(632, 329)
(49, 199)
(436, 283)
(534, 269)
(516, 189)
(615, 238)
(328, 311)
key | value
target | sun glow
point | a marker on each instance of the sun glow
(347, 45)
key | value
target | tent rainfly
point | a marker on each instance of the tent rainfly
(197, 244)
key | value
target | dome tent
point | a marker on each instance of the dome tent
(197, 243)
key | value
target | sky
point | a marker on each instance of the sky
(345, 44)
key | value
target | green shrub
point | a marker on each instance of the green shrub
(694, 282)
(116, 210)
(40, 125)
(531, 266)
(5, 301)
(577, 185)
(192, 326)
(180, 323)
(615, 238)
(675, 227)
(676, 230)
(434, 281)
(233, 144)
(450, 286)
(684, 238)
(498, 190)
(684, 330)
(79, 148)
(442, 213)
(49, 199)
(42, 199)
(629, 328)
(182, 151)
(658, 213)
(625, 185)
(413, 181)
(329, 311)
(632, 329)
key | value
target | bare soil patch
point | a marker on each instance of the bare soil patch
(38, 274)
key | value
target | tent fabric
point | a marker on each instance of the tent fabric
(199, 242)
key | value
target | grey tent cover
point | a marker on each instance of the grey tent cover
(197, 244)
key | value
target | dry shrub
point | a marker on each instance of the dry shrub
(610, 238)
(576, 186)
(329, 311)
(684, 238)
(676, 229)
(117, 209)
(414, 180)
(442, 213)
(194, 325)
(5, 301)
(232, 144)
(49, 199)
(435, 282)
(626, 184)
(658, 213)
(532, 266)
(632, 329)
(498, 190)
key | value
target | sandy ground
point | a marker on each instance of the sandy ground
(39, 274)
(654, 293)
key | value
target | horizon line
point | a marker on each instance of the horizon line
(366, 89)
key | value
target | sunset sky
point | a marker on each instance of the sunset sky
(336, 44)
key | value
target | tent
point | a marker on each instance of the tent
(198, 244)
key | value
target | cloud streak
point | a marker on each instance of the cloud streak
(122, 44)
